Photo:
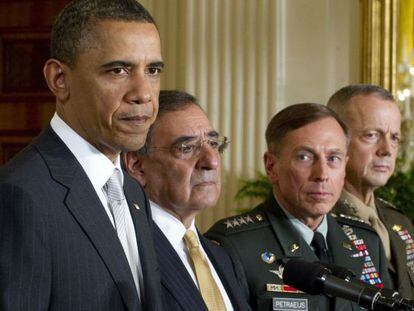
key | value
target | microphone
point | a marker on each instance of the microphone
(401, 303)
(315, 279)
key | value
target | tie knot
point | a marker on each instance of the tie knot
(190, 239)
(114, 187)
(319, 246)
(318, 241)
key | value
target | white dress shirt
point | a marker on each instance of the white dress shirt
(174, 231)
(98, 168)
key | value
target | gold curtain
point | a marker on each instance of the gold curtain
(405, 79)
(379, 33)
(388, 60)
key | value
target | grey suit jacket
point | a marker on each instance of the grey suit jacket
(58, 248)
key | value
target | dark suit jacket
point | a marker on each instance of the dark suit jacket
(178, 289)
(266, 229)
(58, 248)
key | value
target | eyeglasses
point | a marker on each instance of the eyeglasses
(191, 149)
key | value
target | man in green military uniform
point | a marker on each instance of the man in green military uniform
(305, 163)
(374, 122)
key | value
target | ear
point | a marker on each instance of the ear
(135, 167)
(270, 161)
(56, 75)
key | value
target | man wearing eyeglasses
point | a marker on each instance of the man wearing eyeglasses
(179, 167)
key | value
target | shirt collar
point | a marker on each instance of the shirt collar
(359, 208)
(96, 165)
(304, 230)
(172, 227)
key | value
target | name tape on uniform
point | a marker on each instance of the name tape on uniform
(290, 304)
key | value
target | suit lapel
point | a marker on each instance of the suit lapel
(141, 217)
(174, 275)
(85, 206)
(224, 273)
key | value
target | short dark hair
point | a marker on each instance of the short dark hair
(72, 30)
(294, 117)
(340, 100)
(169, 100)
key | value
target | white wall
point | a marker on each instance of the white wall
(247, 59)
(320, 48)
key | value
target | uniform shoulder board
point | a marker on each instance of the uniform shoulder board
(388, 204)
(341, 217)
(238, 223)
(353, 221)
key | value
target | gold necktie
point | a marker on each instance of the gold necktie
(208, 287)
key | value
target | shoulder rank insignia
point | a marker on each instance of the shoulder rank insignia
(354, 218)
(350, 206)
(389, 204)
(238, 221)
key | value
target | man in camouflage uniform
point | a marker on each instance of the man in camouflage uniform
(305, 163)
(374, 123)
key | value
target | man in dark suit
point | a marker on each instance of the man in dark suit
(305, 163)
(179, 168)
(374, 122)
(75, 231)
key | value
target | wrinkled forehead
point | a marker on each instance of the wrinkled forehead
(191, 123)
(373, 112)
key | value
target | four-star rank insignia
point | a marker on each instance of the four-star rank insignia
(241, 220)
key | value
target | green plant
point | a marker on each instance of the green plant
(256, 188)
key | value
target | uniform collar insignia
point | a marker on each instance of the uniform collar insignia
(293, 247)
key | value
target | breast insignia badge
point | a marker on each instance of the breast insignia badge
(268, 257)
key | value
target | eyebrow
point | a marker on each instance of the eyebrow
(213, 133)
(117, 63)
(186, 138)
(183, 139)
(122, 63)
(311, 150)
(379, 130)
(158, 64)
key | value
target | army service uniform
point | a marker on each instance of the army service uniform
(258, 239)
(401, 234)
